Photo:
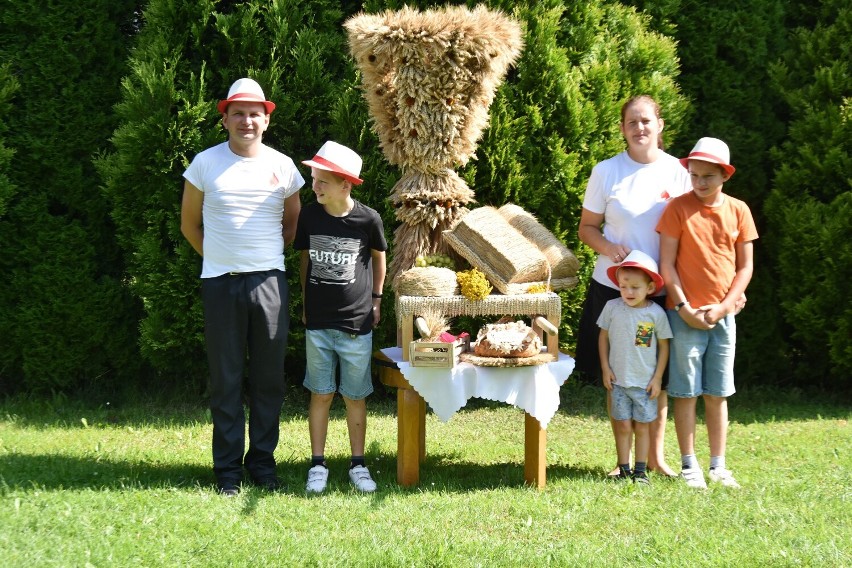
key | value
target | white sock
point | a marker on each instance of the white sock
(689, 461)
(717, 461)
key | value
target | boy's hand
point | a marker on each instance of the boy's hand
(608, 378)
(654, 387)
(713, 313)
(377, 313)
(695, 317)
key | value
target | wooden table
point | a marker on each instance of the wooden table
(411, 408)
(411, 430)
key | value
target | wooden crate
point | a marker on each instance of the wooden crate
(437, 354)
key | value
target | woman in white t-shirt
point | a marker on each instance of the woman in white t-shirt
(625, 197)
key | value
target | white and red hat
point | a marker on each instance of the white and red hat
(640, 260)
(246, 90)
(338, 159)
(711, 150)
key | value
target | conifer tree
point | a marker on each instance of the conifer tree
(811, 201)
(64, 315)
(555, 116)
(724, 49)
(8, 86)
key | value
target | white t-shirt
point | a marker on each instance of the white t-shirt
(631, 196)
(243, 208)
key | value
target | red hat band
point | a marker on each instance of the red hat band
(336, 169)
(709, 157)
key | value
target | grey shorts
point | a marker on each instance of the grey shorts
(632, 403)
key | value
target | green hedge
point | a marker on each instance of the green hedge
(809, 207)
(104, 106)
(66, 317)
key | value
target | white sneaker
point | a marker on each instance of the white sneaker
(317, 479)
(360, 477)
(694, 478)
(723, 476)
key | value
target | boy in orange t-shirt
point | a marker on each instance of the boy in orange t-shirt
(706, 260)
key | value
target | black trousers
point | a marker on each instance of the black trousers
(246, 320)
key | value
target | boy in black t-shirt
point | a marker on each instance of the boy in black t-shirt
(342, 274)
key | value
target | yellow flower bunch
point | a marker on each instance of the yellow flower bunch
(473, 283)
(537, 289)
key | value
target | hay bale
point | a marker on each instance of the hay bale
(563, 262)
(426, 281)
(488, 242)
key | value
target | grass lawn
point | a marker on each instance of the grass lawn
(131, 485)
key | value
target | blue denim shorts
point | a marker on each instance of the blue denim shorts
(702, 361)
(632, 403)
(326, 349)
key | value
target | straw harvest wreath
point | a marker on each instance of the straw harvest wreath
(429, 79)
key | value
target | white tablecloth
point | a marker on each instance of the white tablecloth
(535, 389)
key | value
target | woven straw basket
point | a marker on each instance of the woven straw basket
(488, 242)
(563, 263)
(427, 281)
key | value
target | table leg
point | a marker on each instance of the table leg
(422, 420)
(410, 436)
(535, 447)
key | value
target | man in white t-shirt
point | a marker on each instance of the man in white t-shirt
(240, 209)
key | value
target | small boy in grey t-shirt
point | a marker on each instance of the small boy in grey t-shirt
(634, 349)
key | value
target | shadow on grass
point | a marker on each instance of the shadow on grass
(755, 403)
(61, 472)
(751, 404)
(439, 472)
(448, 473)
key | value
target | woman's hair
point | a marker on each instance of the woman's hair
(654, 104)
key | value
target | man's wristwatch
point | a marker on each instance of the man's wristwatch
(679, 306)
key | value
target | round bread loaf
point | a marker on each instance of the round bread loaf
(513, 339)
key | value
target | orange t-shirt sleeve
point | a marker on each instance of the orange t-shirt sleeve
(669, 223)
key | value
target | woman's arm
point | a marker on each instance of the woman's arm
(590, 232)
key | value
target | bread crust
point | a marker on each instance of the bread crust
(512, 339)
